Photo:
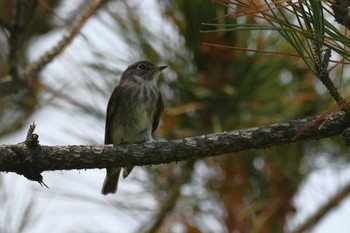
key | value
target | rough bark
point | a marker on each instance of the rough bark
(29, 158)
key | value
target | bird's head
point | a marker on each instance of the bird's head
(144, 70)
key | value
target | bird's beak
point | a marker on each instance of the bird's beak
(160, 68)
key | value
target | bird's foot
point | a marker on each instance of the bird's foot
(124, 143)
(140, 141)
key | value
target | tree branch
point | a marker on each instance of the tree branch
(322, 73)
(170, 200)
(323, 210)
(18, 79)
(16, 39)
(10, 85)
(47, 57)
(45, 158)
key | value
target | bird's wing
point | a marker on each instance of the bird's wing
(111, 109)
(158, 113)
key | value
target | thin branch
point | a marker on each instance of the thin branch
(322, 73)
(45, 158)
(323, 210)
(16, 39)
(9, 85)
(169, 202)
(219, 46)
(18, 80)
(67, 38)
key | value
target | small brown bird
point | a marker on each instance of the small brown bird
(133, 113)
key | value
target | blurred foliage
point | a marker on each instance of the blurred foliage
(23, 21)
(224, 89)
(208, 89)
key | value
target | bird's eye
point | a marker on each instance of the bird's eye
(141, 67)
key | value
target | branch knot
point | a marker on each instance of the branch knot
(27, 164)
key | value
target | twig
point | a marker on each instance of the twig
(19, 79)
(322, 73)
(16, 39)
(169, 202)
(32, 138)
(9, 85)
(67, 38)
(323, 210)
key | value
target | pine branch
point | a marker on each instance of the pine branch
(19, 80)
(323, 210)
(169, 202)
(31, 158)
(16, 39)
(67, 38)
(322, 74)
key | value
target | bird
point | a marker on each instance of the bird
(133, 113)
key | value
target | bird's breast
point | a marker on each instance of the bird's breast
(134, 119)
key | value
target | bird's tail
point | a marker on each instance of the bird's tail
(127, 170)
(110, 184)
